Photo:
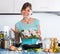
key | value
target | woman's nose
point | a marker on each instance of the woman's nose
(26, 11)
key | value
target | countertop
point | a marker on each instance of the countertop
(5, 51)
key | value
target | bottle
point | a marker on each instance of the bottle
(52, 44)
(59, 45)
(1, 34)
(4, 43)
(55, 48)
(47, 43)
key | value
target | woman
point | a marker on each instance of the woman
(27, 23)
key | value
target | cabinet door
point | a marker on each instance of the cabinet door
(19, 4)
(53, 5)
(14, 6)
(6, 6)
(37, 5)
(46, 5)
(40, 5)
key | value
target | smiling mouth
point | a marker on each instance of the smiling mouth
(26, 15)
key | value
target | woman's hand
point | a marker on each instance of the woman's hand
(16, 35)
(15, 31)
(39, 33)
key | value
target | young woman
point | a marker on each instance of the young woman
(27, 23)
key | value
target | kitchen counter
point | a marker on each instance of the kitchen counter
(16, 52)
(5, 51)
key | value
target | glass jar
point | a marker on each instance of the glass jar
(1, 34)
(46, 43)
(4, 43)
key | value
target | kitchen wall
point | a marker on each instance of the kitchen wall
(49, 23)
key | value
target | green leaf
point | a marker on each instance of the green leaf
(22, 30)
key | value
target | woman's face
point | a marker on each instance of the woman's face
(26, 13)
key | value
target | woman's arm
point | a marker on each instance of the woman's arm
(39, 32)
(16, 35)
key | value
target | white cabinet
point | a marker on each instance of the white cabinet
(6, 6)
(39, 5)
(14, 6)
(46, 5)
(19, 4)
(53, 5)
(11, 6)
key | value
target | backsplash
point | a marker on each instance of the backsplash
(49, 23)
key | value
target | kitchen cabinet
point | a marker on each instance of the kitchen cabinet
(11, 6)
(53, 5)
(19, 4)
(46, 5)
(6, 6)
(14, 6)
(40, 5)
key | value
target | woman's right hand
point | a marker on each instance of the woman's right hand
(15, 31)
(16, 35)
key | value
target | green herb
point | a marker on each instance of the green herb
(34, 36)
(22, 30)
(32, 49)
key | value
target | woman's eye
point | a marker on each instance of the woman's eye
(28, 10)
